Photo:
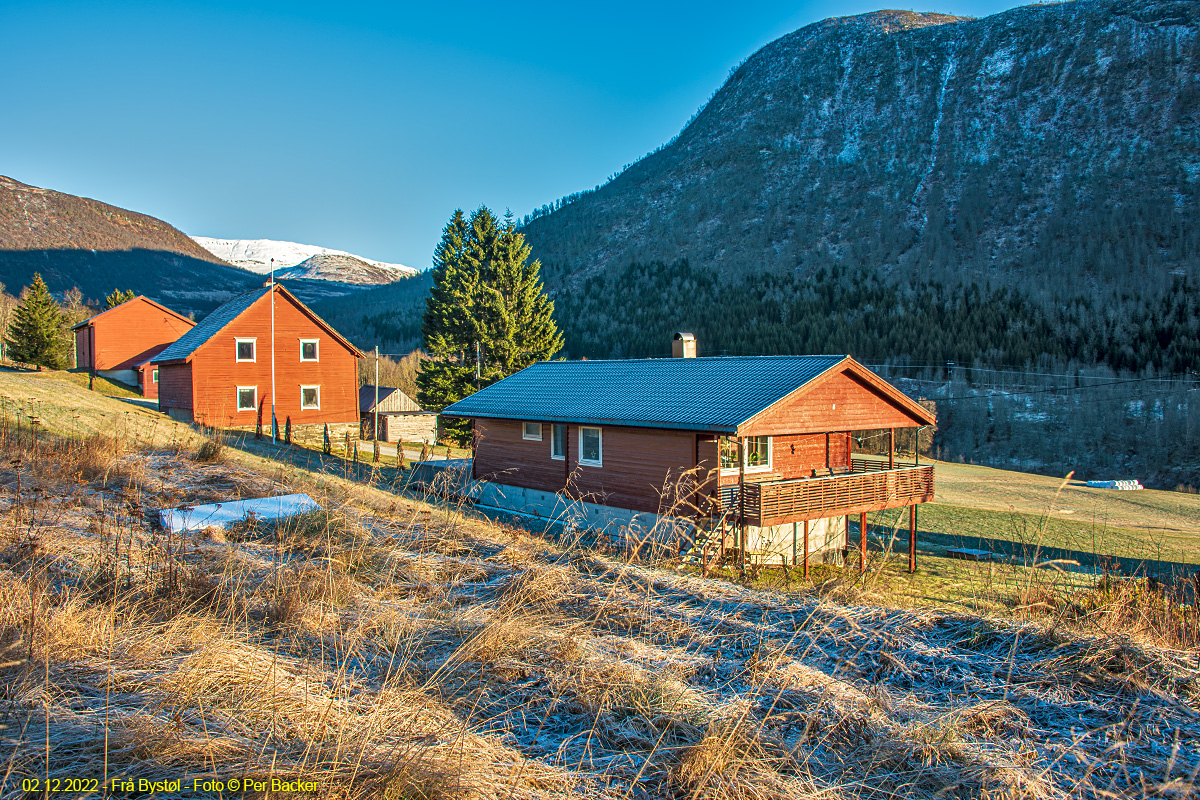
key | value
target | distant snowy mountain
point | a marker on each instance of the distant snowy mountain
(333, 265)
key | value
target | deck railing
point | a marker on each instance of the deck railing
(778, 502)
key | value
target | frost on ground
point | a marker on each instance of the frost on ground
(387, 647)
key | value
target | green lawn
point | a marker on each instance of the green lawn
(103, 385)
(1087, 535)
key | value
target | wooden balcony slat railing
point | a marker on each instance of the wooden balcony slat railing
(777, 502)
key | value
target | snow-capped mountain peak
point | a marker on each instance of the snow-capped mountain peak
(256, 254)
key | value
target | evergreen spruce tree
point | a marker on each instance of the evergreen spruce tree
(117, 297)
(38, 335)
(487, 299)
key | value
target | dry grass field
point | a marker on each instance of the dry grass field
(396, 648)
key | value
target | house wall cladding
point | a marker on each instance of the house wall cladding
(175, 388)
(126, 334)
(843, 402)
(638, 463)
(146, 380)
(216, 372)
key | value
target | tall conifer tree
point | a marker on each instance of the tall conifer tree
(38, 334)
(485, 293)
(117, 298)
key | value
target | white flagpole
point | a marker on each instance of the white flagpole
(273, 426)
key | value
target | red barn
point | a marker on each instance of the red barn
(118, 342)
(220, 372)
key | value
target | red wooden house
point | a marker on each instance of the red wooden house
(758, 451)
(118, 343)
(221, 372)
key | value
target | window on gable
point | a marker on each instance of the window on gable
(247, 398)
(310, 397)
(558, 441)
(758, 452)
(310, 350)
(245, 349)
(532, 431)
(591, 446)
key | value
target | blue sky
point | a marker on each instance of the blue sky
(361, 126)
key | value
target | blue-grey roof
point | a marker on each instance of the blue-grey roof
(208, 327)
(701, 394)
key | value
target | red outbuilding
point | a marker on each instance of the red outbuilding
(117, 343)
(221, 372)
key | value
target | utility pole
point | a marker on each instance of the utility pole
(375, 435)
(477, 366)
(274, 432)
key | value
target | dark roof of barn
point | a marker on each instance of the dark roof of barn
(210, 326)
(190, 342)
(700, 394)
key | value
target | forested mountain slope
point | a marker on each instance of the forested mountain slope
(1052, 149)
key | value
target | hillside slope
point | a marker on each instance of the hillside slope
(76, 241)
(1051, 148)
(390, 647)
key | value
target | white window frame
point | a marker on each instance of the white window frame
(743, 450)
(563, 455)
(317, 407)
(316, 344)
(236, 345)
(525, 431)
(600, 437)
(154, 375)
(237, 398)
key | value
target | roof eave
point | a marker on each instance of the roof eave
(623, 423)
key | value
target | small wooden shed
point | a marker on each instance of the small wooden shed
(401, 419)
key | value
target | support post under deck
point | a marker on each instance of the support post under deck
(806, 549)
(741, 544)
(912, 539)
(862, 541)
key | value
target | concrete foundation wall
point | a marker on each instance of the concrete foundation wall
(826, 538)
(314, 435)
(126, 376)
(770, 545)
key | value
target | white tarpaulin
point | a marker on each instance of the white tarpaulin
(221, 515)
(1128, 486)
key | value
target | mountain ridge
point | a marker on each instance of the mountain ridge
(255, 255)
(925, 144)
(78, 242)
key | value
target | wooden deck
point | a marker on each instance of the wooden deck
(779, 502)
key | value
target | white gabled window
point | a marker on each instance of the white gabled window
(532, 431)
(310, 397)
(154, 376)
(247, 398)
(591, 446)
(558, 442)
(310, 349)
(244, 349)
